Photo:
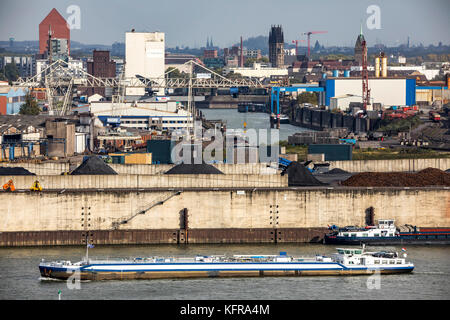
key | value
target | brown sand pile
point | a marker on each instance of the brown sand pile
(424, 178)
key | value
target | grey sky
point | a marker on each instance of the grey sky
(190, 22)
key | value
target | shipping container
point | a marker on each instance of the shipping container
(138, 158)
(117, 158)
(333, 152)
(160, 150)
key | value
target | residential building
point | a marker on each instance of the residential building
(57, 26)
(210, 53)
(24, 64)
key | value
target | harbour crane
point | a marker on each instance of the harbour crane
(296, 45)
(309, 33)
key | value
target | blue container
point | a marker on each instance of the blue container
(347, 73)
(336, 73)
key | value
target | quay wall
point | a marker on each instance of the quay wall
(398, 165)
(55, 168)
(134, 181)
(213, 216)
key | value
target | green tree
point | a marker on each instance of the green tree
(11, 72)
(30, 107)
(176, 73)
(307, 97)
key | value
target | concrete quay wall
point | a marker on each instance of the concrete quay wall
(249, 209)
(175, 181)
(239, 168)
(55, 168)
(399, 165)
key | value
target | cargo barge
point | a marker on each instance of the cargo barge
(386, 233)
(345, 262)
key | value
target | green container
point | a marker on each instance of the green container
(333, 152)
(118, 159)
(160, 150)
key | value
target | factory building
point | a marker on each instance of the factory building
(11, 99)
(258, 70)
(101, 66)
(387, 91)
(55, 22)
(144, 115)
(144, 56)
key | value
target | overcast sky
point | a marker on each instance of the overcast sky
(190, 22)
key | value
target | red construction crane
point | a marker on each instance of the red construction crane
(309, 33)
(296, 45)
(365, 77)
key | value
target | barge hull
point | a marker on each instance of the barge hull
(131, 275)
(337, 241)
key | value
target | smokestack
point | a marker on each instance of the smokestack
(242, 54)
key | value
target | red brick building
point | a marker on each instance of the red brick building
(59, 27)
(210, 53)
(101, 66)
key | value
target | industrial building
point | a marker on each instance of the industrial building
(144, 56)
(258, 70)
(11, 99)
(144, 115)
(387, 91)
(101, 66)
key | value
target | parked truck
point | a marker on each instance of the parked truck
(434, 116)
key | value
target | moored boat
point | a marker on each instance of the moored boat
(387, 233)
(347, 261)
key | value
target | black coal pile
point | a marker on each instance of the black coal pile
(203, 168)
(93, 165)
(300, 176)
(336, 171)
(15, 171)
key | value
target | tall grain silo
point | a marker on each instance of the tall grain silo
(377, 67)
(384, 66)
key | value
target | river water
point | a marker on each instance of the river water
(20, 278)
(255, 120)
